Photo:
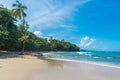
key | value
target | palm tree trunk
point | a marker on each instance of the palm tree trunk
(23, 48)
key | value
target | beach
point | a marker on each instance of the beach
(20, 68)
(62, 70)
(59, 40)
(27, 67)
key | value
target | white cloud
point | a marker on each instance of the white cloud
(53, 13)
(49, 13)
(38, 33)
(86, 42)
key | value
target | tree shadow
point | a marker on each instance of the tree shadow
(14, 54)
(8, 54)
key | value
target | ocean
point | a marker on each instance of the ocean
(101, 58)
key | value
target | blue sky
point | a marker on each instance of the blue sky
(91, 24)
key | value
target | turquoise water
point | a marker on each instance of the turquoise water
(104, 57)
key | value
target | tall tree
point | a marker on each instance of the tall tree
(19, 10)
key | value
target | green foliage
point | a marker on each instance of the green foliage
(6, 19)
(15, 37)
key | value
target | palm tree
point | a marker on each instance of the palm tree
(19, 10)
(24, 39)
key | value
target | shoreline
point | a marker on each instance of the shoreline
(88, 62)
(62, 70)
(32, 67)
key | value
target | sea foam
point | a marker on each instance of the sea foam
(88, 62)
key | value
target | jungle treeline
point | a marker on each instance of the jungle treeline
(15, 36)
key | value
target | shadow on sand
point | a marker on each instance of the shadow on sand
(12, 54)
(8, 54)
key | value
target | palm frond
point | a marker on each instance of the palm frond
(24, 7)
(24, 14)
(14, 5)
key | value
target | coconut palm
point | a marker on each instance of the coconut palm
(24, 39)
(19, 10)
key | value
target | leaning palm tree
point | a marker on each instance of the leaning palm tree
(18, 10)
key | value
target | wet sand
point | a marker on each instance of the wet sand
(59, 70)
(31, 68)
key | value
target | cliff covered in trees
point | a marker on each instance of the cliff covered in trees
(16, 37)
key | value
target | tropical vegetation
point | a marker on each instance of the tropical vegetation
(15, 36)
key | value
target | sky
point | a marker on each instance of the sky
(90, 24)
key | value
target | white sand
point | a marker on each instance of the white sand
(31, 68)
(23, 68)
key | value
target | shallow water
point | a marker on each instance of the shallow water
(65, 70)
(92, 57)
